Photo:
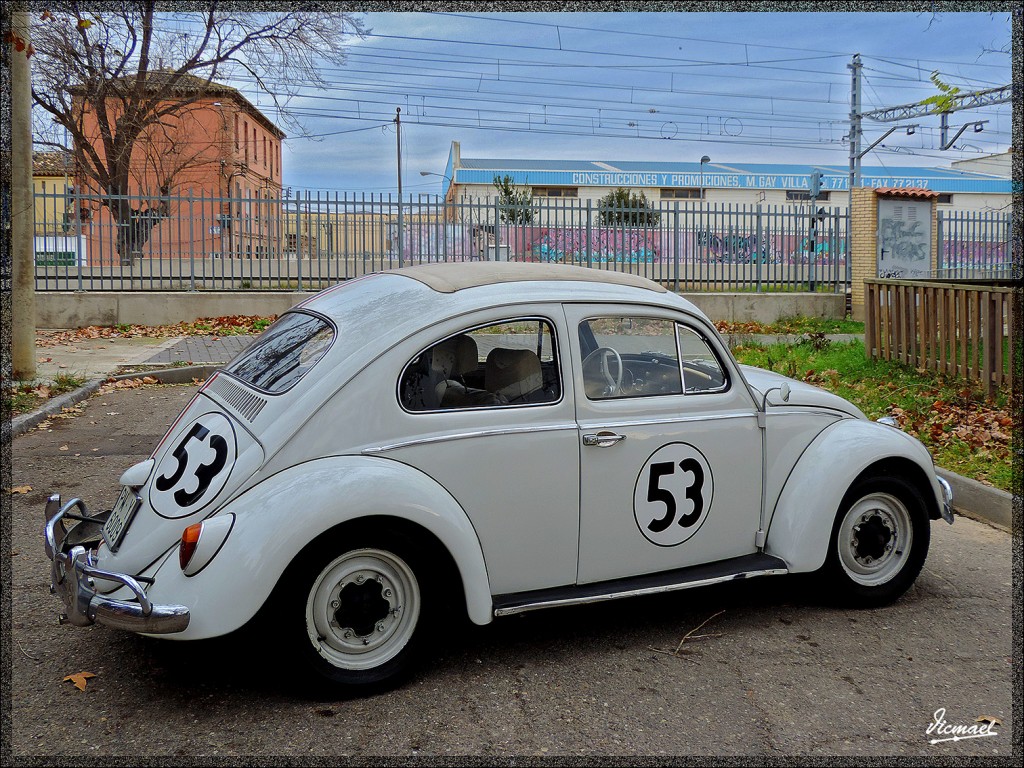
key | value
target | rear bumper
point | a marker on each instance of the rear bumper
(947, 501)
(73, 573)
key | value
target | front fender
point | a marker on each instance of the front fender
(802, 521)
(278, 517)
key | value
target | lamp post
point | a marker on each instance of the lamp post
(445, 215)
(703, 160)
(443, 176)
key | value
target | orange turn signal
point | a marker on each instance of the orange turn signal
(189, 541)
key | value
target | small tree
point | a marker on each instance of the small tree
(514, 204)
(625, 207)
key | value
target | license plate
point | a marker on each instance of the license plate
(120, 516)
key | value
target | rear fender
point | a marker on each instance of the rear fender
(278, 517)
(802, 521)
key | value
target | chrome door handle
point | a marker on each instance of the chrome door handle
(603, 439)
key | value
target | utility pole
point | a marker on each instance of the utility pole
(855, 127)
(398, 132)
(23, 297)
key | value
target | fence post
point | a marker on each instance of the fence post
(939, 255)
(497, 229)
(675, 246)
(590, 262)
(191, 245)
(298, 235)
(78, 227)
(759, 257)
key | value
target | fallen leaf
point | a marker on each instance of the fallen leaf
(62, 448)
(21, 489)
(79, 679)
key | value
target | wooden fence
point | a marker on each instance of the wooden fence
(962, 330)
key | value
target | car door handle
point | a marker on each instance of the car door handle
(603, 439)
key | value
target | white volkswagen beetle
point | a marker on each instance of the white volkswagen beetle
(501, 436)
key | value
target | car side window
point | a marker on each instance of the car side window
(646, 357)
(502, 364)
(629, 357)
(702, 370)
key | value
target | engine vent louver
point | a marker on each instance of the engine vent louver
(247, 404)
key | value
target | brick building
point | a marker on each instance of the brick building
(212, 144)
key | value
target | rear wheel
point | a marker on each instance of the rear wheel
(362, 613)
(879, 542)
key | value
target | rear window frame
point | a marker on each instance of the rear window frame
(262, 340)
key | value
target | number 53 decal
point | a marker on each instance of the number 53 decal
(195, 470)
(673, 494)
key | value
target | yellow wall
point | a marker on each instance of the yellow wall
(49, 211)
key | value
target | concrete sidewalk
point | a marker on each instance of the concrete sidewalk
(180, 360)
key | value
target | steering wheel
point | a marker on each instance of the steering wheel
(603, 354)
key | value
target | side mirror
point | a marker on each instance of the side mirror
(783, 391)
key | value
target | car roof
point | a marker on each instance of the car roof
(456, 276)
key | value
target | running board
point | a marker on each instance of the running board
(745, 567)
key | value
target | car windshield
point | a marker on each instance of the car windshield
(284, 353)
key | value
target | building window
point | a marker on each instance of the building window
(245, 137)
(556, 192)
(264, 151)
(681, 193)
(945, 199)
(236, 132)
(802, 194)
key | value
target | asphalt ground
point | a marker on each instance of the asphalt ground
(756, 670)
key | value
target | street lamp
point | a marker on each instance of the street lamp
(442, 175)
(447, 214)
(703, 160)
(448, 189)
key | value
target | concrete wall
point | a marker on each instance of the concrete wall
(71, 309)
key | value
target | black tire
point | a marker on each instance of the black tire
(355, 615)
(878, 544)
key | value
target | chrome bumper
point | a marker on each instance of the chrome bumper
(73, 574)
(947, 501)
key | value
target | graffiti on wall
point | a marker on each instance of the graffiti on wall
(781, 249)
(968, 254)
(575, 245)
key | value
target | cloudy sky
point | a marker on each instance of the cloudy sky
(739, 87)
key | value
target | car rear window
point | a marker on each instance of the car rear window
(284, 353)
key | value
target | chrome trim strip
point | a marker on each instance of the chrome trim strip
(637, 592)
(595, 423)
(466, 435)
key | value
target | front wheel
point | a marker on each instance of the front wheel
(879, 542)
(361, 623)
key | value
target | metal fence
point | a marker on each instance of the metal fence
(310, 241)
(976, 245)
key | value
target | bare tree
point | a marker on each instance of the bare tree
(134, 72)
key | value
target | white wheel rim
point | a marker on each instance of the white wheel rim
(362, 609)
(874, 539)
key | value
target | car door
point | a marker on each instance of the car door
(484, 409)
(670, 448)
